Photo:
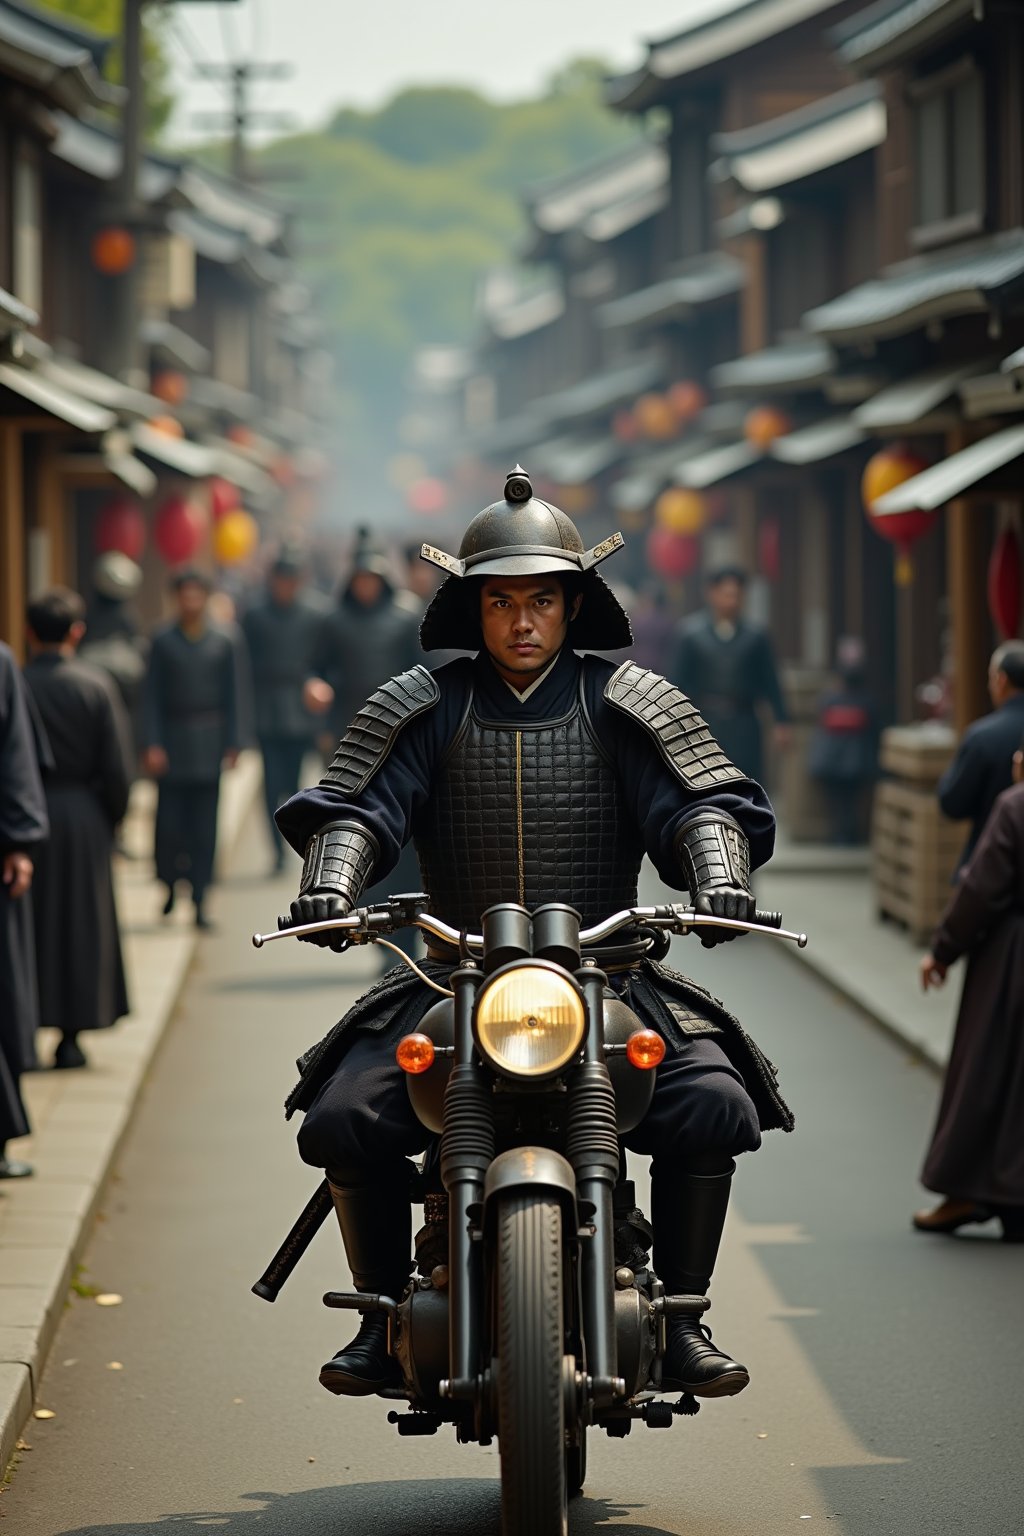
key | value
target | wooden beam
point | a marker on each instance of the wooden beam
(12, 540)
(969, 622)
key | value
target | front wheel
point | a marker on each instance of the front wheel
(531, 1405)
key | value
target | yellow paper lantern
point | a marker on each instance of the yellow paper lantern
(764, 424)
(235, 537)
(681, 511)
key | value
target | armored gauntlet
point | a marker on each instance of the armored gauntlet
(715, 858)
(337, 867)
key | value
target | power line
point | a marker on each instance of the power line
(242, 116)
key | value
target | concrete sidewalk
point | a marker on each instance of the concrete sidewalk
(80, 1118)
(826, 893)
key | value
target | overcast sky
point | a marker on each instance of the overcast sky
(360, 53)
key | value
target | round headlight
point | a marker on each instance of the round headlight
(530, 1022)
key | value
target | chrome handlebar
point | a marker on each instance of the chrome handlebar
(680, 919)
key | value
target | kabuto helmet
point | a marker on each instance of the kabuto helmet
(522, 536)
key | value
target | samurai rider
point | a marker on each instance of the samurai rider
(531, 773)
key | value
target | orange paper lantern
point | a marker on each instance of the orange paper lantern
(240, 435)
(170, 386)
(624, 427)
(681, 511)
(574, 499)
(235, 537)
(764, 424)
(655, 417)
(113, 251)
(170, 426)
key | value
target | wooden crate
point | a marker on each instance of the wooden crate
(919, 754)
(914, 851)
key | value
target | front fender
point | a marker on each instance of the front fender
(522, 1168)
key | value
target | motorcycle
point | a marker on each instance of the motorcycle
(534, 1314)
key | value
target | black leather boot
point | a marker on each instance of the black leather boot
(688, 1212)
(376, 1228)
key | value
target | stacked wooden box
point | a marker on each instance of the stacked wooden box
(914, 849)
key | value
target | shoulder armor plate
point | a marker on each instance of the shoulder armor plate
(675, 725)
(374, 730)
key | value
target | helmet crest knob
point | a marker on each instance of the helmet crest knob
(517, 486)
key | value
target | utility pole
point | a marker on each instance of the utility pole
(242, 115)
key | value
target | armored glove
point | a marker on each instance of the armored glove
(715, 856)
(338, 862)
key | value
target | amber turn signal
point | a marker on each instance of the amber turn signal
(644, 1048)
(415, 1053)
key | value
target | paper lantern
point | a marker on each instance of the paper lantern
(241, 436)
(680, 511)
(427, 496)
(282, 471)
(764, 424)
(883, 472)
(170, 426)
(113, 251)
(672, 554)
(178, 530)
(1004, 584)
(687, 399)
(121, 527)
(624, 427)
(235, 537)
(655, 417)
(223, 497)
(170, 386)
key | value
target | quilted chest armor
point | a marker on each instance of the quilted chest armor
(529, 813)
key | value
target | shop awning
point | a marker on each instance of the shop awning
(702, 281)
(796, 363)
(14, 315)
(649, 473)
(717, 464)
(240, 469)
(116, 452)
(100, 388)
(996, 394)
(881, 34)
(601, 393)
(910, 401)
(178, 453)
(934, 487)
(814, 444)
(785, 149)
(987, 275)
(174, 345)
(57, 401)
(55, 56)
(566, 202)
(575, 460)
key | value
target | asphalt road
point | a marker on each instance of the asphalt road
(887, 1366)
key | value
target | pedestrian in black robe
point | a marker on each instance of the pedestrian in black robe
(284, 635)
(982, 767)
(78, 943)
(727, 667)
(976, 1156)
(194, 722)
(23, 830)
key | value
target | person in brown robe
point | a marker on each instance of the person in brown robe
(976, 1156)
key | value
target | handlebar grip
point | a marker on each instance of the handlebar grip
(768, 919)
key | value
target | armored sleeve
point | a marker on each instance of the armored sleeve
(674, 724)
(375, 729)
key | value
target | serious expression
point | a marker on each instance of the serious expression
(525, 622)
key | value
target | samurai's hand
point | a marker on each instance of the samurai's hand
(337, 866)
(715, 856)
(319, 907)
(723, 901)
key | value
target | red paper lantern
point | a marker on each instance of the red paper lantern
(687, 399)
(1004, 584)
(121, 527)
(113, 251)
(769, 553)
(178, 530)
(428, 496)
(674, 555)
(883, 472)
(224, 497)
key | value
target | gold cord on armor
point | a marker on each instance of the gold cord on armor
(519, 818)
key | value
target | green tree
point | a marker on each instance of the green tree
(104, 18)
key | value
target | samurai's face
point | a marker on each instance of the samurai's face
(524, 621)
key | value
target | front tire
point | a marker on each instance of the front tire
(531, 1405)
